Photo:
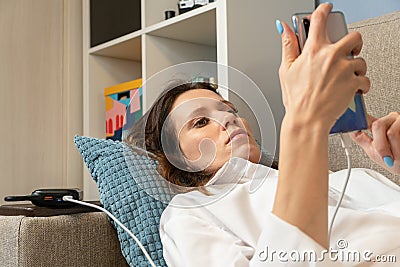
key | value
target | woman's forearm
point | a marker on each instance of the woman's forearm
(302, 193)
(317, 86)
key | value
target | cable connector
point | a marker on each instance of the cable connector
(67, 198)
(346, 140)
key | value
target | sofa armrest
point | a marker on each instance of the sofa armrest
(83, 239)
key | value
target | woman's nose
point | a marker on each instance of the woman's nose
(228, 118)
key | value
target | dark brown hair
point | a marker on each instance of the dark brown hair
(146, 133)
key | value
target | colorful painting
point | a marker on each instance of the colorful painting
(124, 106)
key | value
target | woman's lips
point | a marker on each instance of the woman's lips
(236, 134)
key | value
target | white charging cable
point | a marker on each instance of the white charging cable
(71, 199)
(345, 144)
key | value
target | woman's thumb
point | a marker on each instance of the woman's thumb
(290, 45)
(362, 139)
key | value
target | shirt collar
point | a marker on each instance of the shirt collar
(238, 170)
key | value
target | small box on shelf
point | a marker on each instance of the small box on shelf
(124, 106)
(187, 5)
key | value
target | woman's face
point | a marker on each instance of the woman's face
(209, 130)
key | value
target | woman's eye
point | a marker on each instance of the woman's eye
(200, 122)
(233, 111)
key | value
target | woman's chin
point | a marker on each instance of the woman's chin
(247, 151)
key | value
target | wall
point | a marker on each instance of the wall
(254, 48)
(41, 94)
(356, 10)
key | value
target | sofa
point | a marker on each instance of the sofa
(87, 238)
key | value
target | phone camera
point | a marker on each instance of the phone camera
(306, 24)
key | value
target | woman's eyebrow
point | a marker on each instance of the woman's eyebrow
(196, 112)
(227, 103)
(202, 110)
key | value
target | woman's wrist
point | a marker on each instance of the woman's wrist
(298, 137)
(296, 123)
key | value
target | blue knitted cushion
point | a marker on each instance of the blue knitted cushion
(132, 190)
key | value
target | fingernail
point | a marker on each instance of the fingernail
(329, 3)
(279, 26)
(388, 161)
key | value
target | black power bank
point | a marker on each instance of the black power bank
(52, 198)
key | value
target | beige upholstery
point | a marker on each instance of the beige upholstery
(381, 51)
(85, 239)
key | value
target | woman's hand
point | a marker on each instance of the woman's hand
(318, 84)
(384, 145)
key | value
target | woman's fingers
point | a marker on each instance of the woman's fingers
(393, 135)
(363, 84)
(370, 120)
(359, 66)
(384, 146)
(364, 141)
(319, 18)
(323, 70)
(361, 138)
(360, 69)
(290, 46)
(350, 44)
(379, 129)
(290, 52)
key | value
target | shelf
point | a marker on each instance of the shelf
(196, 26)
(202, 34)
(125, 47)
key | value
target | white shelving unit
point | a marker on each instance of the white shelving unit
(240, 34)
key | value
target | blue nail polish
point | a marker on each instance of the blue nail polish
(279, 26)
(388, 161)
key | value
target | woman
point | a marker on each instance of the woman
(201, 142)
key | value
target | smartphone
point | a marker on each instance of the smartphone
(354, 118)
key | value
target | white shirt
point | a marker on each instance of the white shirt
(232, 224)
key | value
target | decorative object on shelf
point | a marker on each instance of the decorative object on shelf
(124, 106)
(203, 79)
(187, 5)
(169, 14)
